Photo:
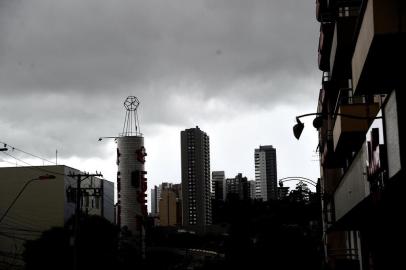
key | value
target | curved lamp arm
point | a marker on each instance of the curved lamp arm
(318, 121)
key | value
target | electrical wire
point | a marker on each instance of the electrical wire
(11, 223)
(39, 168)
(33, 167)
(13, 237)
(27, 153)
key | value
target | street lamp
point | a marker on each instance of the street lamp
(42, 177)
(318, 121)
(101, 138)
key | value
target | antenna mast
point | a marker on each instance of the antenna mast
(131, 124)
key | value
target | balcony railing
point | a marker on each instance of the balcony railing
(349, 133)
(353, 187)
(379, 53)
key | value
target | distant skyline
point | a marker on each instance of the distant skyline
(231, 67)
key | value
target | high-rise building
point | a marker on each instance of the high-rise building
(237, 187)
(362, 53)
(266, 187)
(196, 194)
(217, 182)
(170, 207)
(154, 201)
(251, 184)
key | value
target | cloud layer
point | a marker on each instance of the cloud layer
(66, 66)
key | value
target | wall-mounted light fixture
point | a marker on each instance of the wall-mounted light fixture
(318, 121)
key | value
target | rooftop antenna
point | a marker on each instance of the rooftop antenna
(131, 124)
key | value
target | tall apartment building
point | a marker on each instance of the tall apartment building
(196, 194)
(170, 205)
(218, 182)
(238, 187)
(362, 53)
(266, 187)
(252, 189)
(154, 201)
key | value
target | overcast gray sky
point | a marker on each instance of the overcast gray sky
(241, 70)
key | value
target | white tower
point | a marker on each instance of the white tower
(131, 174)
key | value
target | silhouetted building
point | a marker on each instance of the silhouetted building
(362, 52)
(265, 173)
(196, 194)
(154, 201)
(218, 182)
(251, 184)
(238, 187)
(283, 192)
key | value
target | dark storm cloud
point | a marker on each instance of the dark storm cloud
(101, 46)
(66, 66)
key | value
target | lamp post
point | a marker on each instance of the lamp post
(42, 177)
(318, 121)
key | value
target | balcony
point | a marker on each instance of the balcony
(349, 133)
(325, 40)
(326, 82)
(380, 54)
(354, 186)
(341, 47)
(323, 12)
(329, 158)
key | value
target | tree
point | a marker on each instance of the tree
(301, 193)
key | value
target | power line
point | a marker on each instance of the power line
(13, 237)
(33, 167)
(9, 222)
(27, 153)
(2, 160)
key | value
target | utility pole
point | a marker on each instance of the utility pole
(79, 178)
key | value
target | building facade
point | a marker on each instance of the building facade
(154, 201)
(266, 173)
(283, 193)
(362, 150)
(217, 185)
(44, 204)
(170, 205)
(195, 167)
(237, 187)
(251, 184)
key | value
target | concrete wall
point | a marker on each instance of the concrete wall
(354, 186)
(40, 207)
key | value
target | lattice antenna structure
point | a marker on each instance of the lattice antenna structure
(131, 124)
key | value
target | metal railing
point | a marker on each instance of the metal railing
(345, 97)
